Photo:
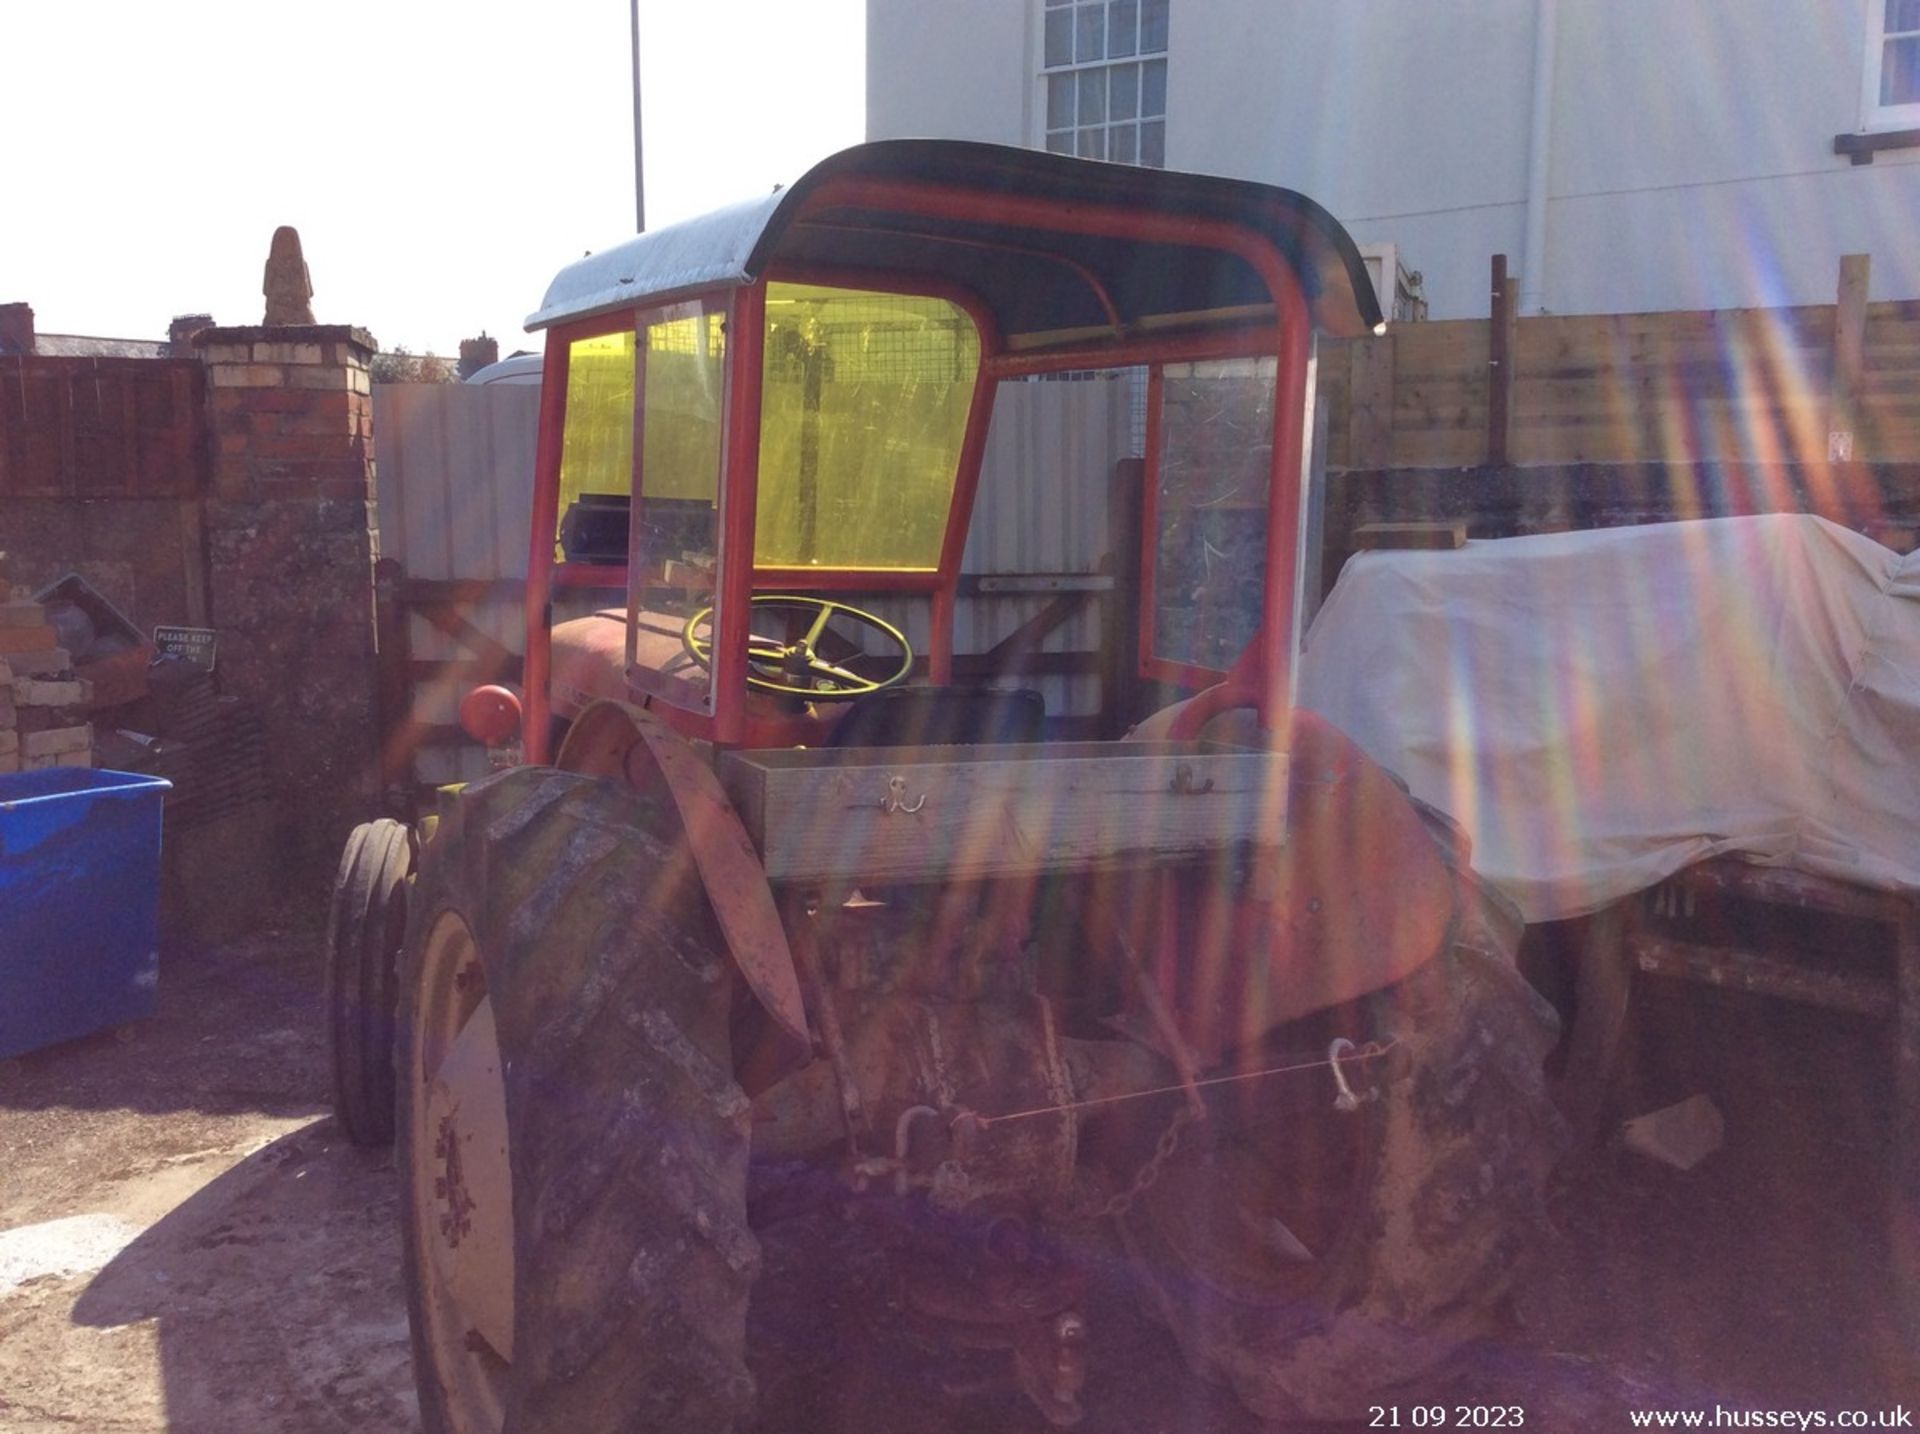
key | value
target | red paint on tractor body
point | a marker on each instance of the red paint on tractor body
(1359, 896)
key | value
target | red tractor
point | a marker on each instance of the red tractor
(776, 896)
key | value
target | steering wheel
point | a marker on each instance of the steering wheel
(796, 669)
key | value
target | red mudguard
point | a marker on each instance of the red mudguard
(1358, 897)
(613, 739)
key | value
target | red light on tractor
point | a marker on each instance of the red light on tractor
(491, 715)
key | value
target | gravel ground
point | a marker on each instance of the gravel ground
(187, 1244)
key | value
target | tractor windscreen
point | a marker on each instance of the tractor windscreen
(863, 413)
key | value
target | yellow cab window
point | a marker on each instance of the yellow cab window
(596, 456)
(863, 413)
(682, 416)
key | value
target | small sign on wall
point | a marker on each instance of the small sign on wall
(196, 644)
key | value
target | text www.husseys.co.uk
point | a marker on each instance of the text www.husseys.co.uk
(1899, 1417)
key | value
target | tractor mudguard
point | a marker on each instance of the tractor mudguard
(1359, 896)
(615, 739)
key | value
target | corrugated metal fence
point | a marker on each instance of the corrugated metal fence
(456, 486)
(1039, 523)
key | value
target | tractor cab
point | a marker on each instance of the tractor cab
(762, 434)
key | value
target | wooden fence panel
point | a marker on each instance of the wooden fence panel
(102, 428)
(1677, 388)
(1888, 400)
(1751, 386)
(1346, 375)
(1439, 394)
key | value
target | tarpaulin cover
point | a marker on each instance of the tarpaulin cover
(1601, 709)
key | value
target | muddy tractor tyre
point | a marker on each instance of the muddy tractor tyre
(366, 927)
(562, 946)
(1439, 1194)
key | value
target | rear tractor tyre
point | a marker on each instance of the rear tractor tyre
(573, 1146)
(366, 926)
(1399, 1238)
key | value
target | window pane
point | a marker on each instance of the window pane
(1093, 144)
(1061, 143)
(1153, 88)
(1059, 49)
(1900, 72)
(863, 408)
(1902, 16)
(1153, 26)
(1093, 97)
(1123, 24)
(1124, 92)
(596, 445)
(686, 365)
(1123, 144)
(1059, 101)
(1210, 552)
(676, 532)
(1090, 33)
(1153, 144)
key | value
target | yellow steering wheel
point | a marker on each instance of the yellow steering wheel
(796, 669)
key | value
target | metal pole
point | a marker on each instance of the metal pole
(1533, 250)
(639, 170)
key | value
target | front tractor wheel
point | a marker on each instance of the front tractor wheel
(572, 1144)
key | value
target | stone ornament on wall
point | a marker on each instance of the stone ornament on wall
(288, 286)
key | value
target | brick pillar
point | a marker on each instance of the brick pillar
(292, 536)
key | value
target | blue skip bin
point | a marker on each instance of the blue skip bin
(79, 903)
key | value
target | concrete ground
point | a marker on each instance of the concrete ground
(188, 1244)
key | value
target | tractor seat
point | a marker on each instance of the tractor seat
(941, 717)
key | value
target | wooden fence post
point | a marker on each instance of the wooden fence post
(1849, 353)
(1502, 307)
